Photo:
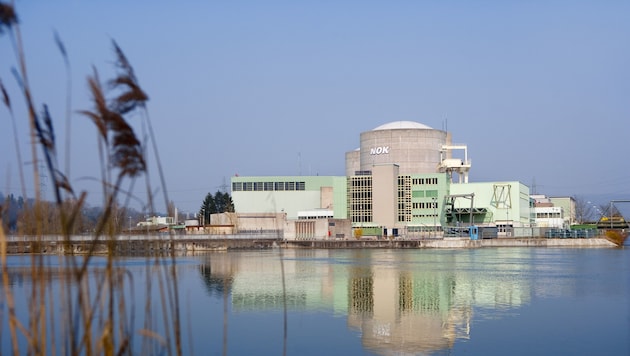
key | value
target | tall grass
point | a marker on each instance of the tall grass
(96, 316)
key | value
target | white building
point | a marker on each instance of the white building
(551, 217)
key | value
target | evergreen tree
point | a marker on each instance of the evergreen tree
(229, 206)
(208, 207)
(10, 209)
(224, 202)
(213, 204)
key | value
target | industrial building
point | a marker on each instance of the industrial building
(406, 180)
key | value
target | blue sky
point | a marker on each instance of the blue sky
(538, 90)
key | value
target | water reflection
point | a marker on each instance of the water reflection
(393, 301)
(399, 301)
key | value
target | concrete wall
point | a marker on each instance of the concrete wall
(385, 194)
(353, 162)
(415, 151)
(252, 222)
(317, 229)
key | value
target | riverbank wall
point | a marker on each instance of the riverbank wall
(453, 243)
(141, 244)
(148, 244)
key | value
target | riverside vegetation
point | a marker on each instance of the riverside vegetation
(94, 320)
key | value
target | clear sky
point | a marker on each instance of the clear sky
(538, 90)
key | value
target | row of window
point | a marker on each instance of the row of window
(361, 207)
(421, 181)
(267, 186)
(422, 228)
(425, 215)
(548, 215)
(402, 195)
(361, 218)
(361, 195)
(361, 182)
(425, 205)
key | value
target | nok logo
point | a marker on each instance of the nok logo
(379, 150)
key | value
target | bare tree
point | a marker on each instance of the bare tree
(584, 210)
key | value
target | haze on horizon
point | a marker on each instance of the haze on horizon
(538, 90)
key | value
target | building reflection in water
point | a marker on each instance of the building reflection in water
(401, 302)
(405, 311)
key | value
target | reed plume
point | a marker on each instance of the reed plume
(131, 98)
(66, 61)
(95, 322)
(8, 17)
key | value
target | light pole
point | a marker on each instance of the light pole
(598, 210)
(507, 221)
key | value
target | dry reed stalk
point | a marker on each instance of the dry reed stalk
(8, 294)
(66, 61)
(93, 325)
(148, 321)
(7, 102)
(132, 98)
(9, 20)
(165, 310)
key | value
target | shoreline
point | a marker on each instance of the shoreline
(455, 243)
(164, 243)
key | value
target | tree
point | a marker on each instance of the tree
(213, 204)
(9, 211)
(223, 202)
(208, 207)
(584, 210)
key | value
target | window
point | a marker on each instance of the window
(417, 193)
(431, 193)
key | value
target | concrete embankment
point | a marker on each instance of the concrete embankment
(452, 243)
(137, 245)
(197, 243)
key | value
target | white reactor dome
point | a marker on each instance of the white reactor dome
(401, 125)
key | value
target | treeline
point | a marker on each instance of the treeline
(17, 216)
(220, 202)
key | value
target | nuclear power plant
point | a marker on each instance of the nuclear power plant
(405, 180)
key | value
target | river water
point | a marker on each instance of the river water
(490, 301)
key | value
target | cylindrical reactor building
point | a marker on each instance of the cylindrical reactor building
(414, 147)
